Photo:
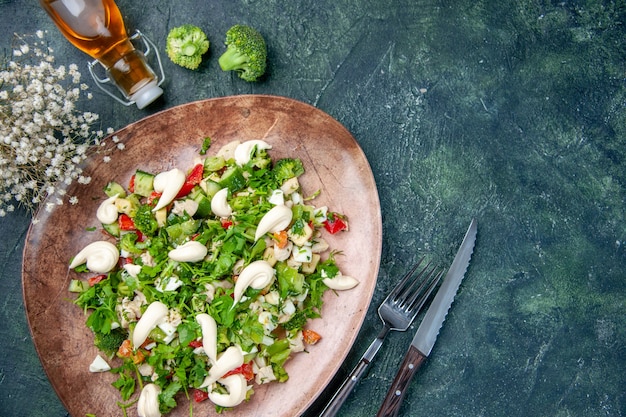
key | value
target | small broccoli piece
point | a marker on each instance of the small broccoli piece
(145, 221)
(287, 168)
(185, 46)
(296, 322)
(246, 52)
(110, 343)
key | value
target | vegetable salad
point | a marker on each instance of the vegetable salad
(211, 278)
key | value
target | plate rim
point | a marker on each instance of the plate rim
(42, 217)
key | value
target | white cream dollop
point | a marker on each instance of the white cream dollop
(209, 335)
(168, 183)
(219, 204)
(340, 282)
(243, 151)
(236, 386)
(132, 269)
(155, 314)
(148, 403)
(107, 210)
(258, 275)
(231, 358)
(191, 251)
(101, 257)
(275, 220)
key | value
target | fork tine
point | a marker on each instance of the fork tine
(412, 281)
(415, 301)
(414, 288)
(401, 286)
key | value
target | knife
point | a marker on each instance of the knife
(428, 330)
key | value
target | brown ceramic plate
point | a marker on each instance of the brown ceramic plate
(334, 164)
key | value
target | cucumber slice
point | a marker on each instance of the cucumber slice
(178, 232)
(211, 188)
(78, 286)
(232, 179)
(113, 188)
(144, 183)
(204, 206)
(214, 163)
(113, 229)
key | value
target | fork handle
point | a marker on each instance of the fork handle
(392, 402)
(332, 408)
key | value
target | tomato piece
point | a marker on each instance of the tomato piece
(193, 179)
(94, 280)
(226, 224)
(131, 184)
(138, 357)
(310, 337)
(154, 195)
(200, 395)
(281, 239)
(195, 344)
(125, 222)
(335, 223)
(246, 370)
(125, 350)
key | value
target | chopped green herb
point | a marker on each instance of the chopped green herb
(262, 318)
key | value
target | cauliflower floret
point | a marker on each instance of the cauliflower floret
(282, 254)
(168, 284)
(290, 186)
(264, 375)
(263, 372)
(288, 309)
(268, 321)
(319, 245)
(145, 369)
(302, 237)
(147, 259)
(210, 292)
(272, 297)
(296, 343)
(277, 198)
(185, 206)
(130, 310)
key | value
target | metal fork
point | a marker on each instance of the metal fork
(397, 312)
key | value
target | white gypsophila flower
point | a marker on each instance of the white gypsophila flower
(44, 137)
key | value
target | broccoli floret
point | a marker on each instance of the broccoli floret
(246, 52)
(287, 168)
(145, 221)
(296, 322)
(110, 343)
(185, 46)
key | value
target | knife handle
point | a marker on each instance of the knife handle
(411, 363)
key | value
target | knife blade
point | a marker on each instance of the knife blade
(427, 332)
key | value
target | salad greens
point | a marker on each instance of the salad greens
(195, 292)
